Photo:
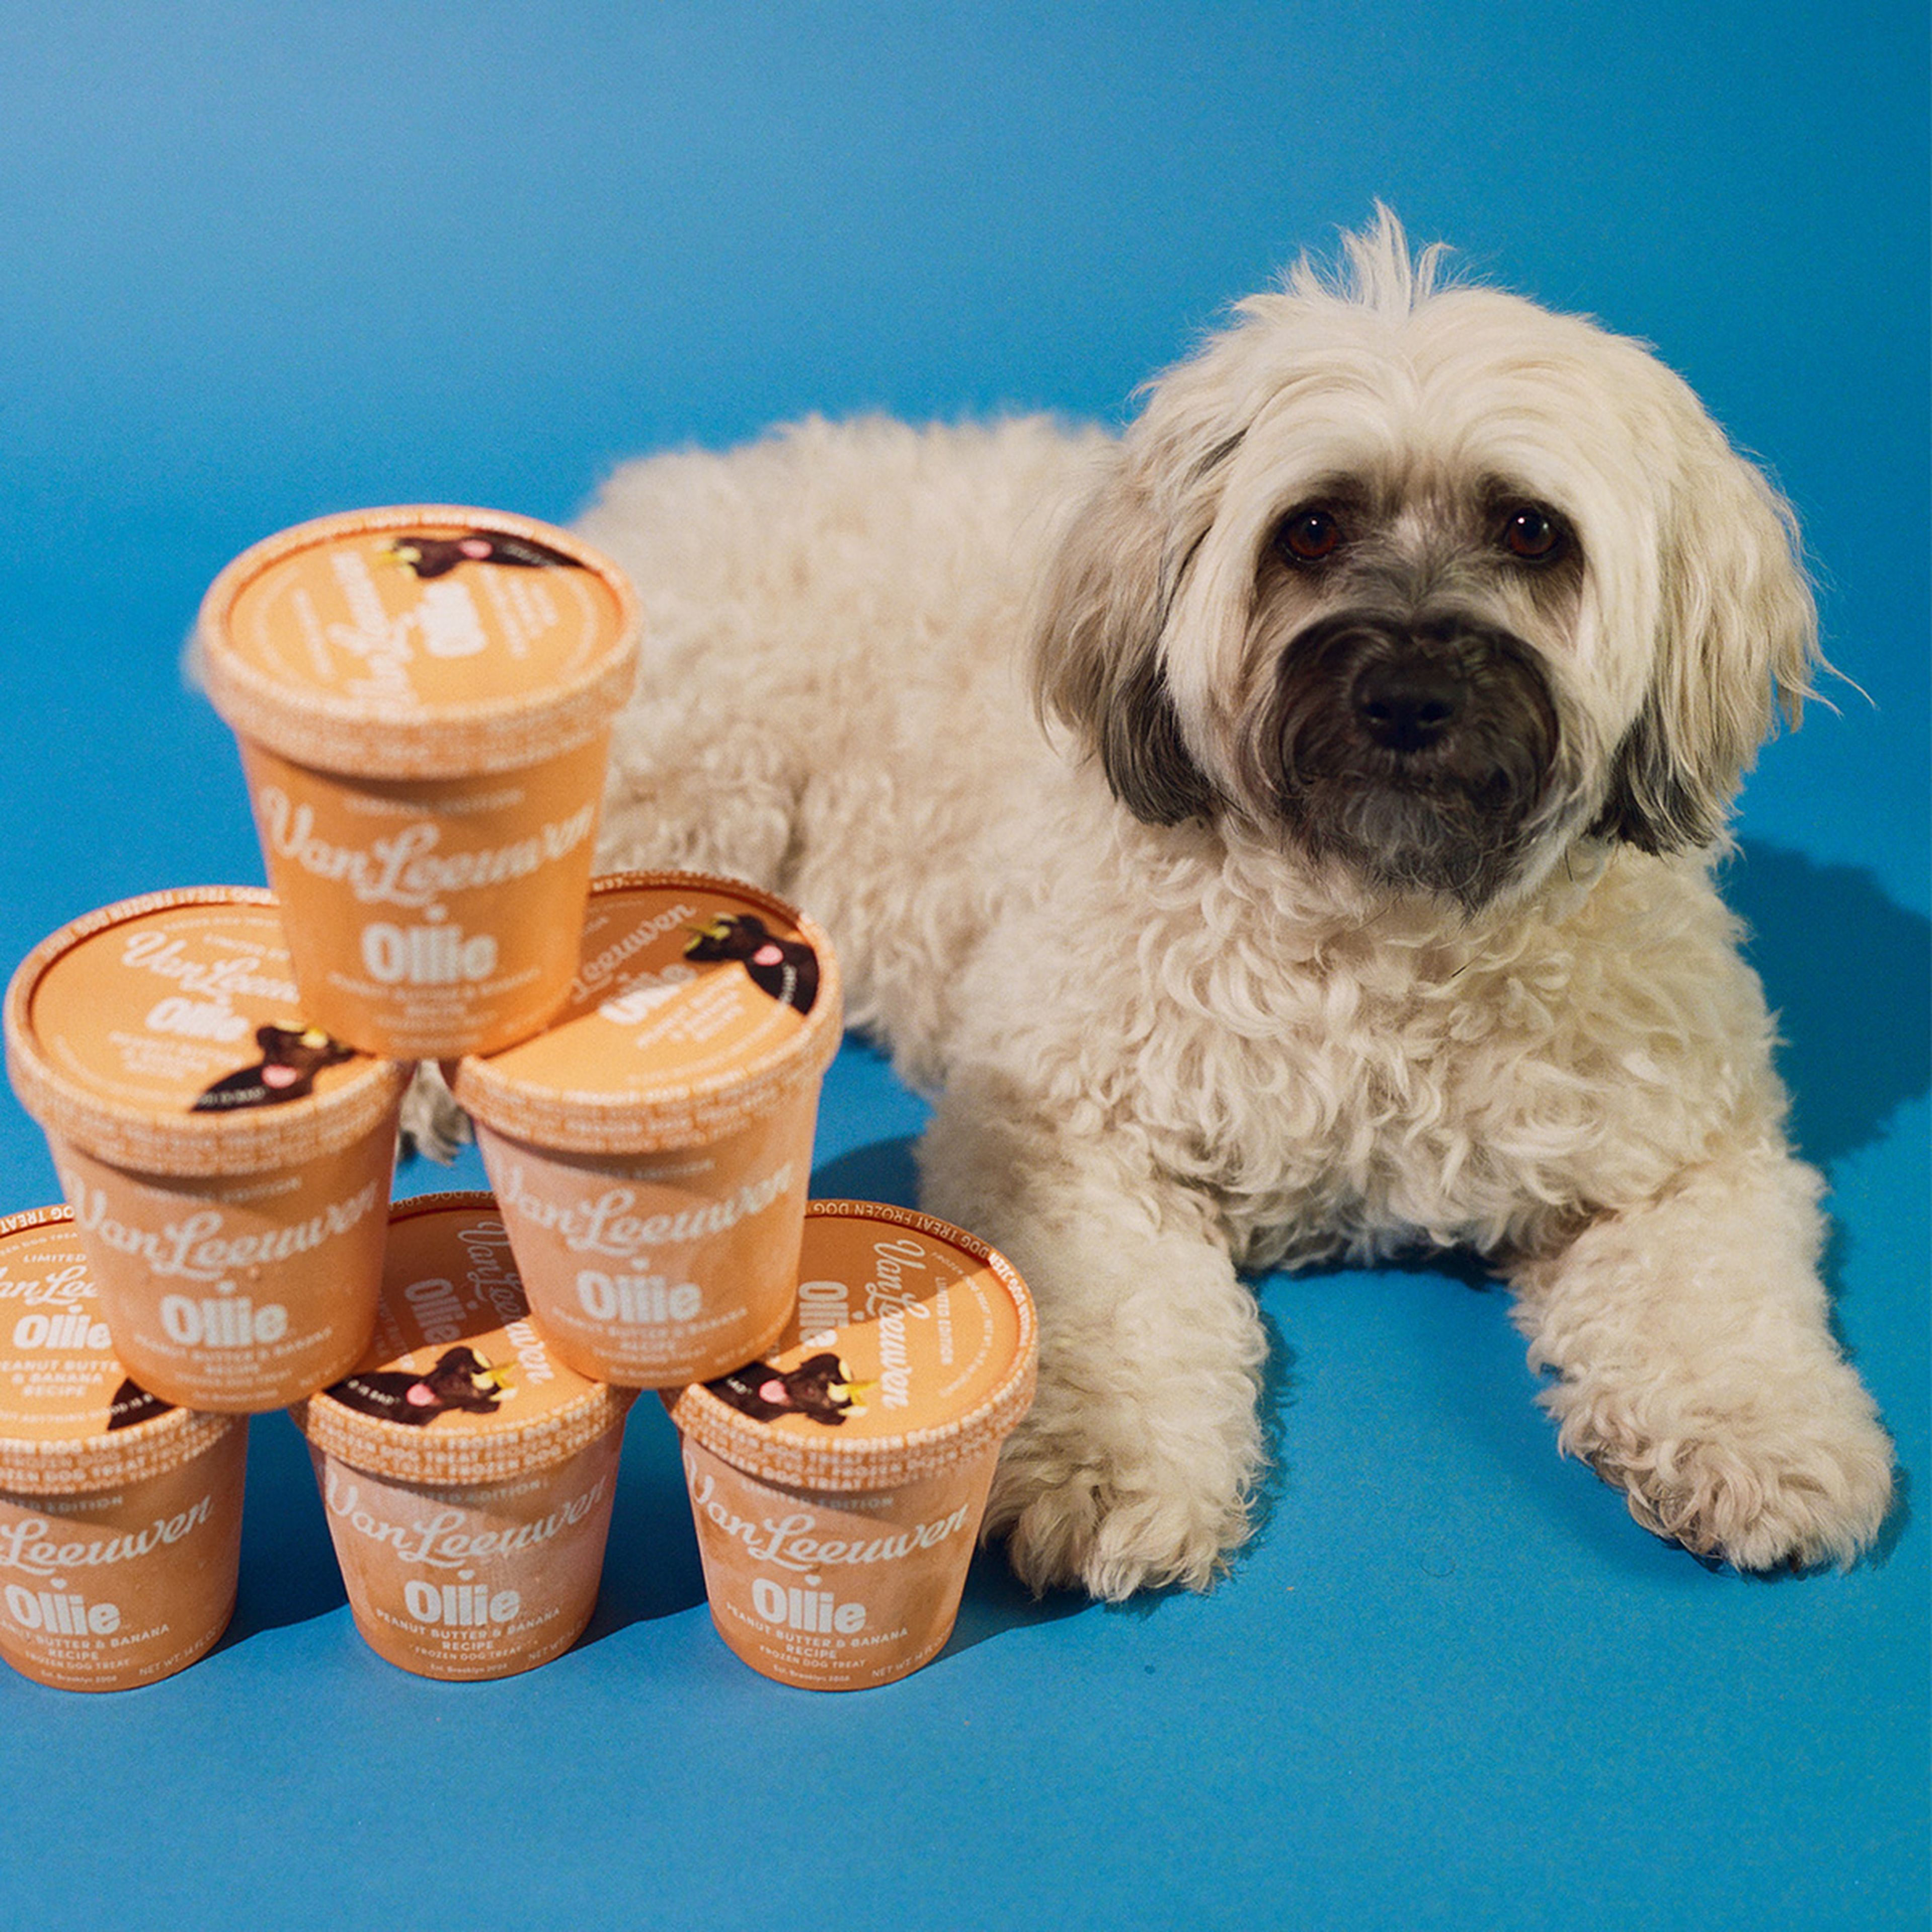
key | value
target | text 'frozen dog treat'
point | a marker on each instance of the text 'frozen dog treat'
(228, 1162)
(651, 1151)
(467, 1474)
(423, 697)
(839, 1483)
(120, 1517)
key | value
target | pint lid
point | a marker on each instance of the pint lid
(70, 1417)
(699, 1003)
(165, 1033)
(457, 1385)
(913, 1347)
(426, 641)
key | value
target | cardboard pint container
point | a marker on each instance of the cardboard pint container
(651, 1150)
(227, 1160)
(120, 1517)
(837, 1484)
(466, 1473)
(423, 697)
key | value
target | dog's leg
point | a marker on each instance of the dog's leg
(1697, 1371)
(1136, 1467)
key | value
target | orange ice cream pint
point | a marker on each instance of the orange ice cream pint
(120, 1517)
(423, 697)
(838, 1483)
(466, 1474)
(228, 1162)
(651, 1151)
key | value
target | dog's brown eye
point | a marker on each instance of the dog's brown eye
(1309, 536)
(1532, 535)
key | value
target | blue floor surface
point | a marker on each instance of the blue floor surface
(262, 266)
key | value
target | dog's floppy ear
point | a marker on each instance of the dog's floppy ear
(1097, 663)
(1738, 640)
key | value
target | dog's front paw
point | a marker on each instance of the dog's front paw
(1792, 1484)
(1127, 1522)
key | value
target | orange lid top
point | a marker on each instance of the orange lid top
(458, 1386)
(70, 1420)
(165, 1032)
(423, 641)
(913, 1347)
(699, 1003)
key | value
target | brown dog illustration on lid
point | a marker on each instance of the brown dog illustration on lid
(460, 1379)
(788, 969)
(820, 1386)
(291, 1058)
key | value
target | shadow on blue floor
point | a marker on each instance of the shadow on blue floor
(1848, 971)
(289, 1574)
(884, 1171)
(651, 1565)
(997, 1601)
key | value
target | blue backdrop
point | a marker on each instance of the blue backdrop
(260, 264)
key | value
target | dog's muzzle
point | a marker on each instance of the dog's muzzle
(1420, 751)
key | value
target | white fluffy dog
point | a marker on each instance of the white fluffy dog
(1398, 666)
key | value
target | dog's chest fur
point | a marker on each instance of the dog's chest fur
(1341, 1085)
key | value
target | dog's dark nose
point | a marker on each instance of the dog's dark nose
(1409, 702)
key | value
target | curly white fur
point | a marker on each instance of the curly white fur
(1173, 1034)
